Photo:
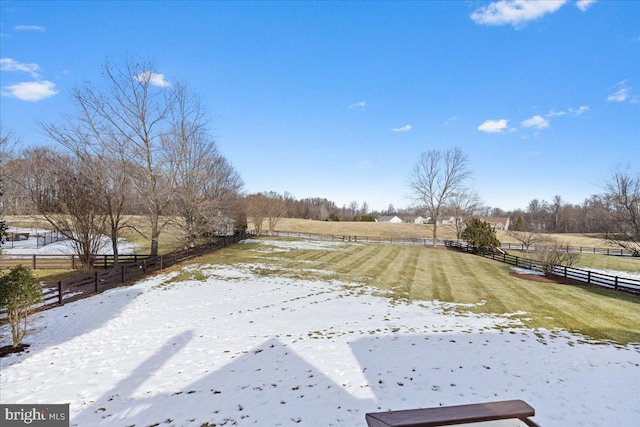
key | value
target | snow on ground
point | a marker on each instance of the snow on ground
(31, 246)
(625, 274)
(240, 349)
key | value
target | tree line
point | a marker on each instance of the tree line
(131, 144)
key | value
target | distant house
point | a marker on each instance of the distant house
(447, 221)
(392, 219)
(421, 220)
(497, 223)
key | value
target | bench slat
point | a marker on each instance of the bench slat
(451, 415)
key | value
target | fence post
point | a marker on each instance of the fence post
(565, 271)
(33, 262)
(144, 266)
(105, 262)
(73, 262)
(161, 262)
(589, 276)
(516, 261)
(95, 280)
(60, 291)
(122, 274)
(616, 285)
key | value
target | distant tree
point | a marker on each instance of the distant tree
(436, 179)
(554, 255)
(3, 224)
(367, 218)
(624, 227)
(334, 217)
(462, 207)
(19, 292)
(480, 235)
(365, 208)
(527, 237)
(256, 211)
(519, 226)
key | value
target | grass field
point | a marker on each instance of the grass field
(409, 231)
(482, 285)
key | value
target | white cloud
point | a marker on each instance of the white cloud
(450, 120)
(621, 94)
(152, 78)
(31, 91)
(554, 113)
(515, 12)
(582, 109)
(493, 126)
(360, 105)
(583, 5)
(573, 111)
(37, 28)
(8, 64)
(537, 122)
(405, 128)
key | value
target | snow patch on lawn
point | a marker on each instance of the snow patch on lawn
(245, 349)
(289, 245)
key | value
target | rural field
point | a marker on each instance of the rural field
(317, 333)
(413, 231)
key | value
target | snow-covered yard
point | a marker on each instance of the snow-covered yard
(241, 349)
(34, 246)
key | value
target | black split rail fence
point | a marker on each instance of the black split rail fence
(587, 276)
(136, 268)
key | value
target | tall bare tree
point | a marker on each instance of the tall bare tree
(436, 179)
(130, 108)
(624, 227)
(207, 187)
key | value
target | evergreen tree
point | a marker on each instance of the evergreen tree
(480, 235)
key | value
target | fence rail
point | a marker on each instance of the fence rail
(74, 288)
(590, 277)
(61, 262)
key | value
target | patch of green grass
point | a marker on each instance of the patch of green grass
(609, 262)
(419, 273)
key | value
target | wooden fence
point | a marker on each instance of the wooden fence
(61, 262)
(84, 285)
(590, 277)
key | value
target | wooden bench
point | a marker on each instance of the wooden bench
(454, 415)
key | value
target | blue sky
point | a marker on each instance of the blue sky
(338, 99)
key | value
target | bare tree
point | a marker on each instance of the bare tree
(436, 179)
(462, 207)
(624, 227)
(527, 237)
(256, 211)
(554, 255)
(92, 146)
(207, 187)
(65, 193)
(131, 109)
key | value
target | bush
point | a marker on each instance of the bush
(19, 292)
(551, 256)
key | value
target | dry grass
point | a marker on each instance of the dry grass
(412, 231)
